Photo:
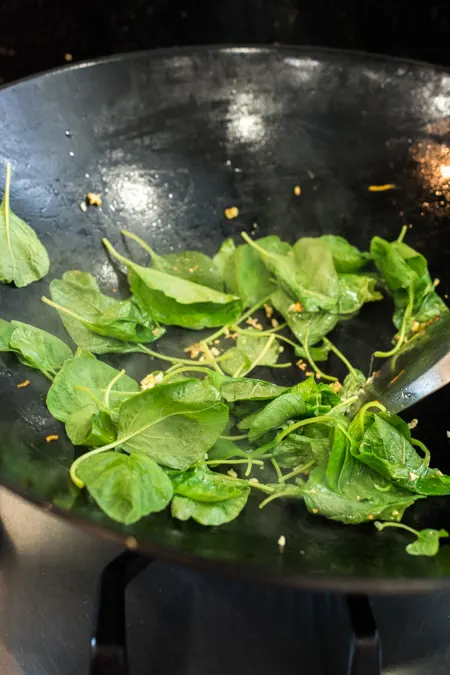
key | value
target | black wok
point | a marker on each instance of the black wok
(172, 138)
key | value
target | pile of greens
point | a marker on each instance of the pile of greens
(202, 435)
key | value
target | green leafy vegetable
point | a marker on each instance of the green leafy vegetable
(250, 351)
(83, 381)
(285, 407)
(6, 331)
(223, 256)
(314, 325)
(209, 513)
(90, 427)
(23, 259)
(203, 485)
(427, 542)
(245, 388)
(126, 487)
(37, 349)
(346, 258)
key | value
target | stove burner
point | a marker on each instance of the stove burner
(345, 624)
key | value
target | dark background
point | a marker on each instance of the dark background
(37, 34)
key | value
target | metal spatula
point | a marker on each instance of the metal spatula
(416, 371)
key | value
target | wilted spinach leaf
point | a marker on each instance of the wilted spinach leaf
(346, 258)
(285, 407)
(311, 325)
(209, 513)
(427, 542)
(245, 388)
(23, 258)
(90, 427)
(203, 485)
(38, 349)
(126, 487)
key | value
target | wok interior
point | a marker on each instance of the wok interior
(170, 139)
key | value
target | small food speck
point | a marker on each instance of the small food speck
(194, 350)
(254, 323)
(51, 437)
(318, 376)
(214, 351)
(21, 385)
(151, 381)
(94, 199)
(232, 212)
(415, 327)
(382, 188)
(113, 290)
(68, 57)
(436, 282)
(232, 473)
(315, 510)
(297, 190)
(296, 307)
(301, 364)
(275, 323)
(414, 422)
(358, 498)
(83, 206)
(336, 386)
(280, 349)
(308, 373)
(217, 342)
(268, 310)
(370, 516)
(131, 542)
(282, 541)
(395, 513)
(413, 476)
(255, 481)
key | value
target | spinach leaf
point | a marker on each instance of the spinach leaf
(354, 291)
(285, 407)
(406, 275)
(90, 427)
(361, 500)
(427, 542)
(6, 331)
(311, 325)
(244, 388)
(209, 513)
(82, 381)
(79, 298)
(38, 349)
(170, 312)
(223, 256)
(386, 450)
(23, 259)
(352, 384)
(346, 258)
(203, 485)
(248, 351)
(190, 265)
(126, 487)
(296, 450)
(319, 353)
(224, 449)
(247, 275)
(316, 274)
(175, 424)
(319, 398)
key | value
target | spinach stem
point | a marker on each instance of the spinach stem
(138, 240)
(260, 356)
(312, 362)
(300, 469)
(170, 359)
(262, 487)
(110, 386)
(381, 526)
(210, 358)
(364, 409)
(276, 466)
(217, 462)
(90, 393)
(63, 309)
(423, 447)
(401, 236)
(257, 247)
(185, 369)
(265, 333)
(341, 356)
(346, 402)
(233, 438)
(277, 495)
(328, 419)
(406, 317)
(73, 469)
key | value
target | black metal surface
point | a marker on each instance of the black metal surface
(108, 642)
(172, 138)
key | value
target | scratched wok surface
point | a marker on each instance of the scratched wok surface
(172, 138)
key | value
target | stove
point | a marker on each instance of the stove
(65, 611)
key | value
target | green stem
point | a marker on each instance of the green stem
(423, 447)
(300, 469)
(262, 251)
(62, 309)
(138, 240)
(270, 498)
(218, 462)
(260, 356)
(345, 403)
(210, 358)
(276, 466)
(403, 328)
(341, 356)
(185, 369)
(73, 469)
(401, 236)
(265, 333)
(110, 386)
(380, 527)
(364, 409)
(262, 487)
(233, 438)
(327, 419)
(91, 394)
(162, 357)
(312, 362)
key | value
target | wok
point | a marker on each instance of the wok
(170, 139)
